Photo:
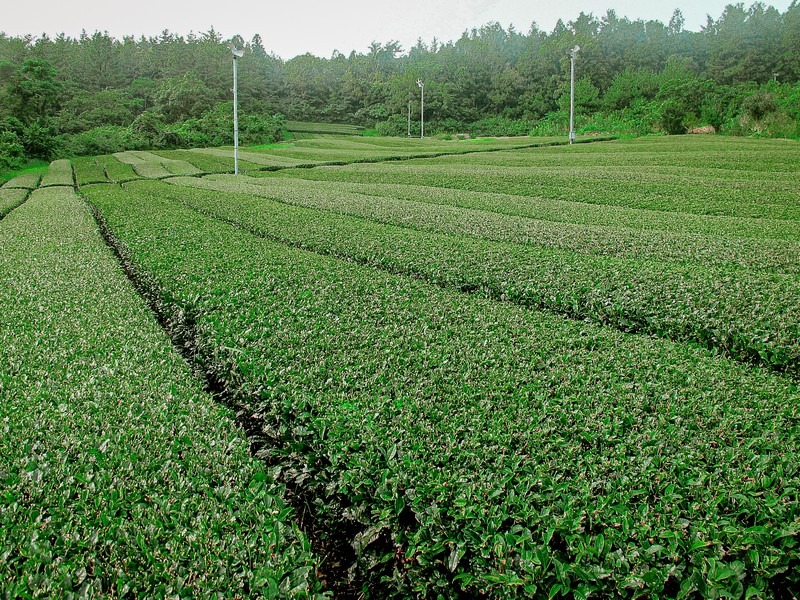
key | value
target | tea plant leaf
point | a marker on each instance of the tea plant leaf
(118, 474)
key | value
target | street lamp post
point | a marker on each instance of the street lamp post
(236, 54)
(572, 54)
(421, 108)
(409, 115)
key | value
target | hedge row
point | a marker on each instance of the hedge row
(414, 209)
(11, 198)
(119, 476)
(59, 173)
(609, 178)
(750, 316)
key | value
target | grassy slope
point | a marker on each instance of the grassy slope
(37, 167)
(118, 475)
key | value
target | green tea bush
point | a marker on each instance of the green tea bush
(26, 181)
(11, 198)
(89, 170)
(467, 447)
(713, 305)
(119, 476)
(688, 189)
(59, 173)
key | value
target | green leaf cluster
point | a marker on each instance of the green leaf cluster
(469, 447)
(736, 293)
(119, 476)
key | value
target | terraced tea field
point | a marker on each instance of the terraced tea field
(498, 368)
(301, 127)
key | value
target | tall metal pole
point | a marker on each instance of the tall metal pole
(572, 54)
(572, 99)
(235, 120)
(422, 113)
(421, 109)
(409, 117)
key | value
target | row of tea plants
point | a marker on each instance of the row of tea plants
(465, 446)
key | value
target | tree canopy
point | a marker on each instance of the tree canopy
(63, 86)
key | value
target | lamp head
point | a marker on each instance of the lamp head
(419, 83)
(235, 51)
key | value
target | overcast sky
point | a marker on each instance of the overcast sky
(289, 28)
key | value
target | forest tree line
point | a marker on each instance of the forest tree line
(95, 94)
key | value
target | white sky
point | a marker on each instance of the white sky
(289, 28)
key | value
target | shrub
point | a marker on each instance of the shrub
(40, 140)
(150, 127)
(215, 128)
(12, 153)
(493, 126)
(262, 129)
(627, 122)
(673, 115)
(105, 140)
(396, 125)
(629, 87)
(759, 105)
(555, 123)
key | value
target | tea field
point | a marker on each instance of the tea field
(476, 368)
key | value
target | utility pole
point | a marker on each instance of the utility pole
(421, 108)
(236, 54)
(572, 54)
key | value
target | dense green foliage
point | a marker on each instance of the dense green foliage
(119, 476)
(12, 154)
(10, 198)
(98, 95)
(670, 190)
(340, 150)
(26, 181)
(736, 294)
(59, 173)
(154, 166)
(323, 128)
(464, 442)
(747, 315)
(466, 446)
